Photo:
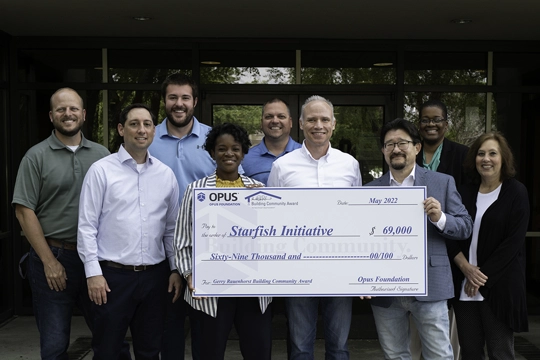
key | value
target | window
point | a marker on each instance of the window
(348, 67)
(247, 67)
(445, 68)
(466, 113)
(147, 66)
(59, 65)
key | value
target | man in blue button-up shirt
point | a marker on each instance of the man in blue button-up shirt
(276, 124)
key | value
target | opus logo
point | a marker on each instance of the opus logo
(201, 197)
(223, 196)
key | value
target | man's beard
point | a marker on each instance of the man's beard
(68, 133)
(398, 166)
(180, 124)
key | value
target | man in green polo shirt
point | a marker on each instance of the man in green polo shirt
(46, 200)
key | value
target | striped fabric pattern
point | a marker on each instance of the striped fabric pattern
(183, 242)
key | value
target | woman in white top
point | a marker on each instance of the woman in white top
(489, 268)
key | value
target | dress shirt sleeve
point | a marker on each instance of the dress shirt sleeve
(441, 223)
(172, 214)
(357, 174)
(458, 221)
(274, 178)
(90, 206)
(183, 241)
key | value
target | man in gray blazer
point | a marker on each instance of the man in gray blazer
(448, 219)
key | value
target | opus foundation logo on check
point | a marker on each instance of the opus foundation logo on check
(220, 198)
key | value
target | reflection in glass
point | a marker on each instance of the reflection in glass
(94, 118)
(246, 75)
(142, 76)
(238, 66)
(517, 118)
(357, 133)
(348, 76)
(3, 60)
(445, 68)
(59, 65)
(533, 264)
(119, 99)
(4, 155)
(348, 67)
(146, 67)
(466, 113)
(516, 69)
(247, 116)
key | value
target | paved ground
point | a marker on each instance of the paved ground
(19, 340)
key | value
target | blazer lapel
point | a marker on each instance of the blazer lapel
(444, 165)
(420, 176)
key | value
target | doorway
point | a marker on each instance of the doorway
(359, 119)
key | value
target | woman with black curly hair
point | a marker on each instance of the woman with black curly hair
(252, 317)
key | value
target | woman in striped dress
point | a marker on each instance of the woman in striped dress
(252, 317)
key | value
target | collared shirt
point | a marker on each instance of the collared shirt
(126, 215)
(300, 169)
(258, 161)
(409, 181)
(49, 183)
(435, 160)
(187, 156)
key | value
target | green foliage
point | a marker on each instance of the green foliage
(445, 77)
(357, 133)
(348, 76)
(357, 126)
(247, 116)
(466, 113)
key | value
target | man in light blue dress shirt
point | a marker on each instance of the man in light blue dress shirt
(127, 214)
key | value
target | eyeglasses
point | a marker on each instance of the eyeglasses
(436, 120)
(402, 145)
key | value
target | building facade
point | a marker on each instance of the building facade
(486, 85)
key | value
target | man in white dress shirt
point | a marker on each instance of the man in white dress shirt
(127, 215)
(317, 164)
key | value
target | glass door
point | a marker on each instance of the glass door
(359, 119)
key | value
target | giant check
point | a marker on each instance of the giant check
(309, 242)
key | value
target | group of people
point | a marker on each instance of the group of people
(112, 233)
